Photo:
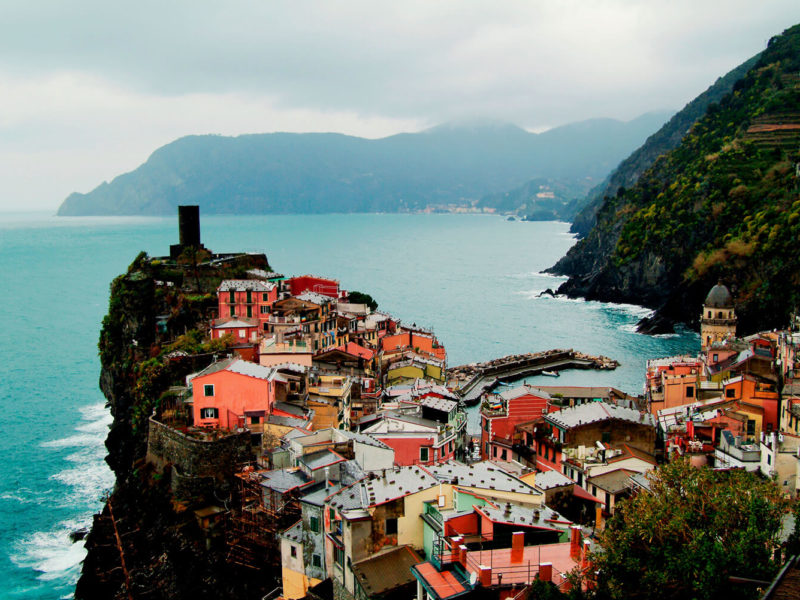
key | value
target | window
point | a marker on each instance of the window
(264, 297)
(730, 393)
(391, 526)
(255, 420)
(293, 549)
(331, 516)
(209, 413)
(715, 358)
(316, 560)
(690, 391)
(751, 427)
(503, 454)
(243, 333)
(424, 454)
(208, 389)
(233, 310)
(266, 327)
(605, 437)
(338, 556)
(264, 310)
(486, 424)
(231, 297)
(314, 524)
(249, 297)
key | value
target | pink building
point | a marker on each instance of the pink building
(234, 393)
(243, 330)
(513, 407)
(248, 298)
(414, 439)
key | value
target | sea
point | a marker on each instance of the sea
(475, 280)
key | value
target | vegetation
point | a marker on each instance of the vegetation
(362, 298)
(723, 205)
(328, 173)
(692, 532)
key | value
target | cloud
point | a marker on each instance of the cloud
(113, 81)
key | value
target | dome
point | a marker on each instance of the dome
(719, 297)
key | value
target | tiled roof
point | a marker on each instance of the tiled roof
(239, 322)
(382, 487)
(283, 480)
(295, 532)
(251, 369)
(523, 390)
(595, 412)
(386, 571)
(245, 285)
(438, 404)
(551, 479)
(362, 438)
(324, 458)
(520, 515)
(320, 492)
(314, 297)
(480, 475)
(613, 481)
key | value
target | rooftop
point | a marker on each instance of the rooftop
(551, 479)
(284, 480)
(386, 571)
(439, 403)
(513, 514)
(595, 412)
(386, 486)
(245, 285)
(613, 481)
(480, 475)
(314, 297)
(523, 390)
(323, 458)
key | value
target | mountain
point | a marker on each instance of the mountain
(664, 140)
(543, 198)
(452, 164)
(723, 205)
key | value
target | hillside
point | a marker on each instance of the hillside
(722, 205)
(448, 165)
(665, 139)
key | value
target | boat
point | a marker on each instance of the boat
(550, 373)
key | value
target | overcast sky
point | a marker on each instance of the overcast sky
(89, 89)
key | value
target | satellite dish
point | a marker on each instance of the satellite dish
(473, 578)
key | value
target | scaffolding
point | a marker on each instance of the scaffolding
(252, 535)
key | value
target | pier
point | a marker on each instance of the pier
(472, 381)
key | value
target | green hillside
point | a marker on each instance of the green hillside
(443, 167)
(723, 205)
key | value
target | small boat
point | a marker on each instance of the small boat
(550, 373)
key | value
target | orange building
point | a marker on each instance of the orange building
(421, 343)
(673, 382)
(234, 393)
(749, 391)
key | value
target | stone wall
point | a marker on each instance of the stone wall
(198, 466)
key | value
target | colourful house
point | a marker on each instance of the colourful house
(234, 393)
(500, 419)
(419, 342)
(249, 298)
(241, 329)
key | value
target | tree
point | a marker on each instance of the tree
(689, 534)
(362, 298)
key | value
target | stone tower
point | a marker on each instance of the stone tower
(718, 321)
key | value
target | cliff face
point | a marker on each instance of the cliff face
(722, 205)
(147, 543)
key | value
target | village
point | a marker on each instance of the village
(347, 438)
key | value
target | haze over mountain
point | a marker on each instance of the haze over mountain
(454, 164)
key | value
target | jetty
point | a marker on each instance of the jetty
(473, 380)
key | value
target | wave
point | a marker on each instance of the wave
(52, 553)
(633, 310)
(80, 487)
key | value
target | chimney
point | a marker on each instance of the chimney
(327, 482)
(485, 576)
(546, 571)
(517, 546)
(575, 542)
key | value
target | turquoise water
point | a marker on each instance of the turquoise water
(473, 279)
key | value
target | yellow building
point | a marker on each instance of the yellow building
(718, 321)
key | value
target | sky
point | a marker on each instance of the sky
(90, 88)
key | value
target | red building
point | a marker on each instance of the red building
(242, 330)
(248, 298)
(516, 406)
(421, 343)
(310, 283)
(234, 393)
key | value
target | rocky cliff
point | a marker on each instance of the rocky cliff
(724, 205)
(147, 542)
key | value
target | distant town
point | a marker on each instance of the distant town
(340, 434)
